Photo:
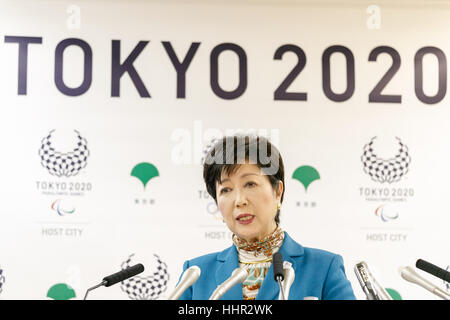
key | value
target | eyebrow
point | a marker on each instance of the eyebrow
(242, 176)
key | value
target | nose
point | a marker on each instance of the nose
(241, 199)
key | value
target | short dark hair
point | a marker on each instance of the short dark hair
(228, 153)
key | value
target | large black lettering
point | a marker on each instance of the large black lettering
(181, 67)
(418, 75)
(59, 64)
(214, 71)
(375, 95)
(118, 69)
(23, 59)
(326, 74)
(281, 92)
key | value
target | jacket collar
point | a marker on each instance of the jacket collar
(269, 289)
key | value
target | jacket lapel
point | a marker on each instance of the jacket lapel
(270, 289)
(228, 263)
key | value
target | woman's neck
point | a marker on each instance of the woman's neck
(261, 238)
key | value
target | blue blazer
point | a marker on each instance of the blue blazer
(318, 273)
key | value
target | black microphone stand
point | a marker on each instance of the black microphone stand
(104, 282)
(279, 279)
(277, 262)
(118, 276)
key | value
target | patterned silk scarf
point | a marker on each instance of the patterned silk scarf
(256, 257)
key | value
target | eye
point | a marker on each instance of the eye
(224, 190)
(251, 184)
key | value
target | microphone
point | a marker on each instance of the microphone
(434, 270)
(123, 275)
(384, 295)
(370, 286)
(189, 277)
(278, 273)
(118, 277)
(289, 276)
(277, 261)
(410, 275)
(238, 276)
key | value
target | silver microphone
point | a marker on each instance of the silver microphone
(289, 276)
(189, 277)
(372, 289)
(238, 276)
(409, 274)
(384, 295)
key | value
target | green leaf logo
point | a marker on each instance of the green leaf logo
(394, 294)
(61, 291)
(144, 171)
(306, 175)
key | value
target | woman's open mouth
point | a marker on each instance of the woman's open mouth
(245, 218)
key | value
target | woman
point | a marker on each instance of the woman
(245, 176)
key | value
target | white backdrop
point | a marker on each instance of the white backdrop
(74, 230)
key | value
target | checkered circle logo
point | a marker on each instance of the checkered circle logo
(63, 164)
(208, 148)
(386, 170)
(146, 287)
(2, 279)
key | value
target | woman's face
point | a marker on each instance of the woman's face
(248, 202)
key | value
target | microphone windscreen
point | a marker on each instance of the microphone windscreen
(277, 261)
(432, 269)
(123, 275)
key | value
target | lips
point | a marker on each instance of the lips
(245, 218)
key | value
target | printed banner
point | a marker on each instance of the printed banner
(107, 110)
